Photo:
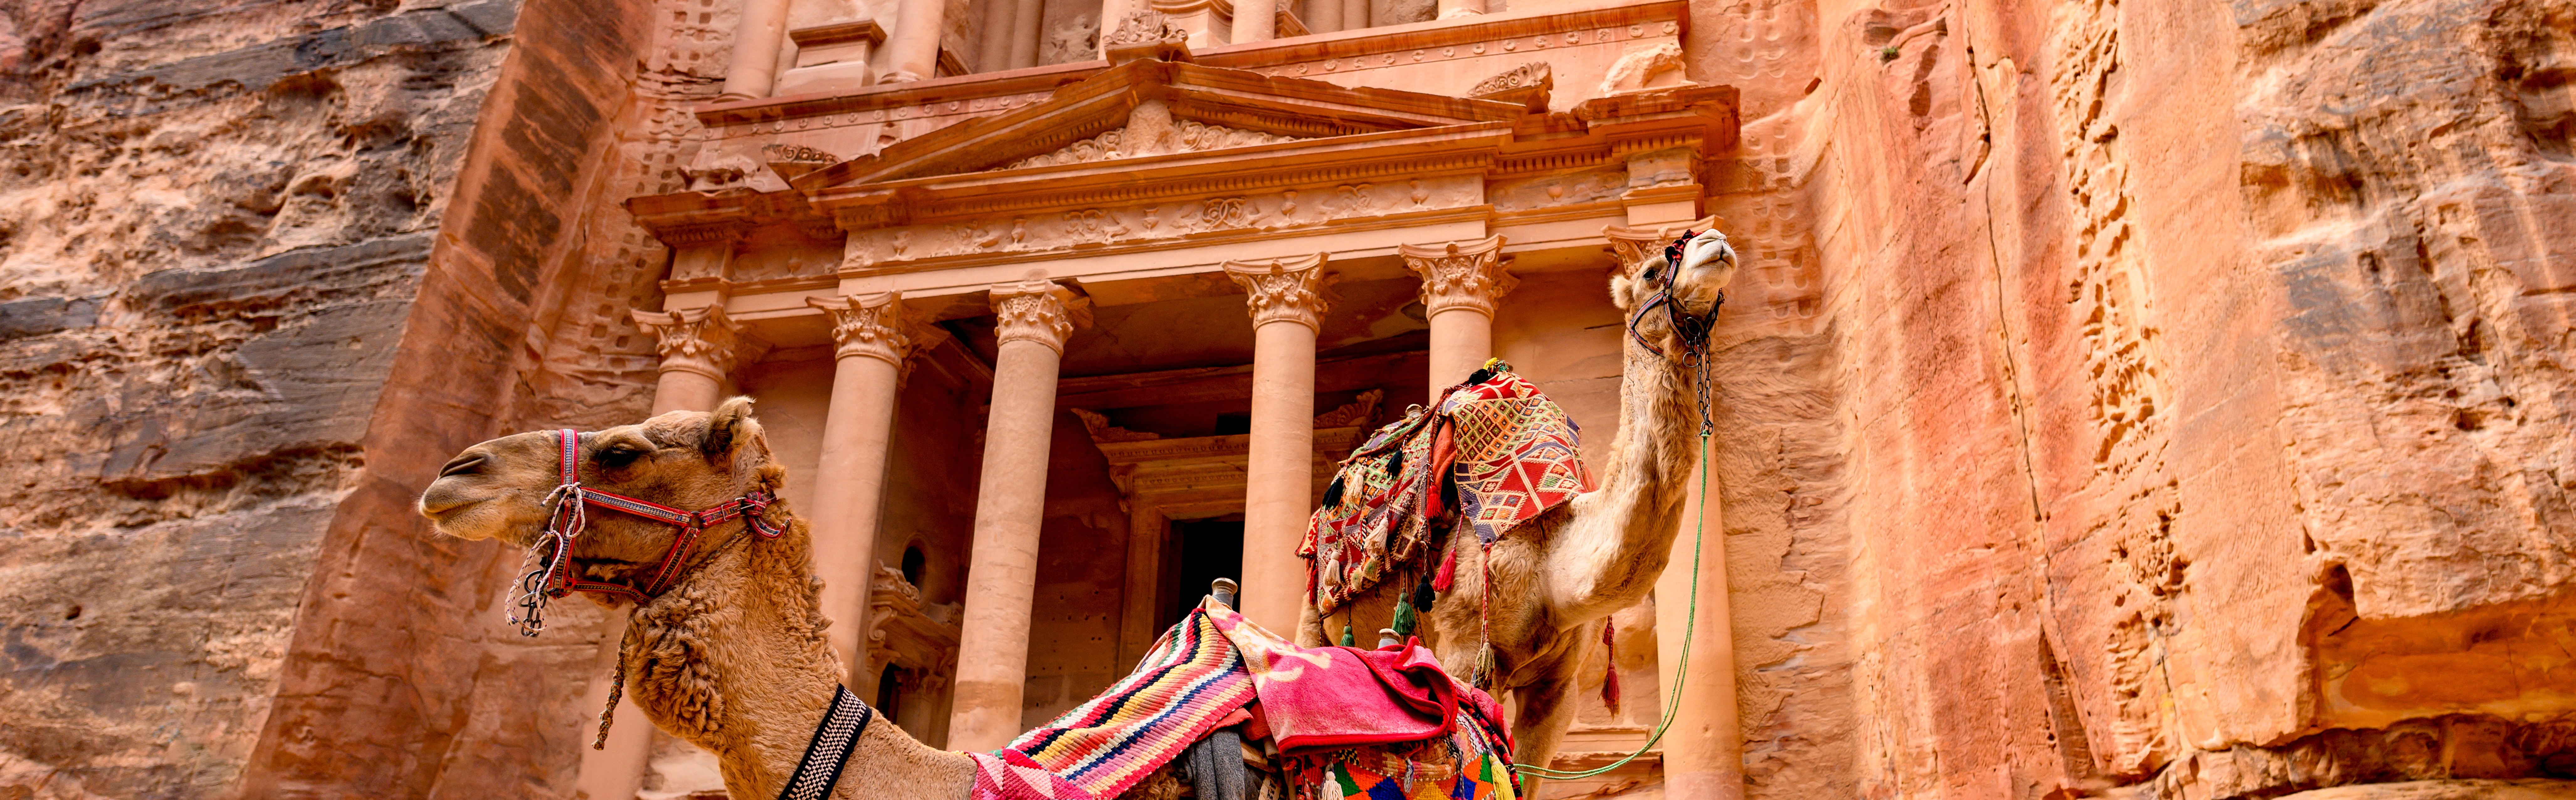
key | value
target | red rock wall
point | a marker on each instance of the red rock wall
(2153, 395)
(214, 221)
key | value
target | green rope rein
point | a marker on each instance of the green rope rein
(1699, 541)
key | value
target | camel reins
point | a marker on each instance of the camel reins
(547, 572)
(1692, 331)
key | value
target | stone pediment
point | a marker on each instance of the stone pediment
(1149, 108)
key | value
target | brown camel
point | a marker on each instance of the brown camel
(1564, 572)
(732, 657)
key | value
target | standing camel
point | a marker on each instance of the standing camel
(1563, 572)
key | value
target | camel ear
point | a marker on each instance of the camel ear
(729, 427)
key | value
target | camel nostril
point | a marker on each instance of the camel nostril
(463, 465)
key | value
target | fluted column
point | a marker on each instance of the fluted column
(698, 347)
(912, 52)
(1461, 282)
(697, 350)
(1034, 318)
(873, 338)
(754, 68)
(1287, 304)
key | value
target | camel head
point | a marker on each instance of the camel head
(688, 460)
(1697, 285)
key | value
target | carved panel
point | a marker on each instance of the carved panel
(1111, 226)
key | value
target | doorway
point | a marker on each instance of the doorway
(1200, 551)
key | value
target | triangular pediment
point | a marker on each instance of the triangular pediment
(1208, 109)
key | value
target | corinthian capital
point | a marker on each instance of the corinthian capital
(1460, 274)
(1283, 291)
(1634, 246)
(699, 340)
(1038, 311)
(873, 325)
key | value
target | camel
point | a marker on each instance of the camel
(732, 657)
(1565, 571)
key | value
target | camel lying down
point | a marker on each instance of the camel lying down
(726, 648)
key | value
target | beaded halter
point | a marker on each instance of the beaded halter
(547, 571)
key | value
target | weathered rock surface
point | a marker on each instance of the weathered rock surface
(213, 220)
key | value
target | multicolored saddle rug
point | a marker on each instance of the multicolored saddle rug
(1185, 687)
(1509, 449)
(1471, 763)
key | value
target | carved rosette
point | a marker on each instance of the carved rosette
(1634, 246)
(1284, 291)
(873, 325)
(1455, 275)
(1037, 311)
(698, 340)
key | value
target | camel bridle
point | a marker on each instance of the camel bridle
(1692, 330)
(547, 571)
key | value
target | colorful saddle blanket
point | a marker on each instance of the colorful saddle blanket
(1507, 447)
(1349, 714)
(1190, 683)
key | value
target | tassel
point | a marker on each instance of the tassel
(1448, 577)
(1347, 639)
(1484, 677)
(1395, 465)
(1403, 621)
(1422, 595)
(1610, 654)
(1333, 493)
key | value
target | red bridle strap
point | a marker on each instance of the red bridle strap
(569, 519)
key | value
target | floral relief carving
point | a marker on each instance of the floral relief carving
(1093, 226)
(873, 325)
(698, 340)
(1037, 311)
(1360, 412)
(1460, 275)
(1283, 291)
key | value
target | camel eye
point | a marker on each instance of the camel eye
(1652, 270)
(619, 456)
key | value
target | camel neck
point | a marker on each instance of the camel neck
(1629, 523)
(734, 660)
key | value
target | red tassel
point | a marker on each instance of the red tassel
(1442, 452)
(1610, 654)
(1448, 575)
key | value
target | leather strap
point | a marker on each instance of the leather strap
(834, 738)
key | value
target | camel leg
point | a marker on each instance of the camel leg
(1310, 625)
(1547, 707)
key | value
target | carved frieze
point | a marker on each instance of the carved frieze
(699, 340)
(1103, 431)
(1119, 225)
(1194, 136)
(1360, 412)
(1456, 275)
(1283, 291)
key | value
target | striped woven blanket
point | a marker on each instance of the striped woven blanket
(1191, 682)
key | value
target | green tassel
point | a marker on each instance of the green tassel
(1404, 621)
(1347, 641)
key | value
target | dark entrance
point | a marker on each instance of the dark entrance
(1202, 550)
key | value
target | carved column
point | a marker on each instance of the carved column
(912, 54)
(1324, 16)
(754, 68)
(1461, 282)
(874, 338)
(697, 350)
(1704, 749)
(1034, 319)
(1255, 21)
(1287, 304)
